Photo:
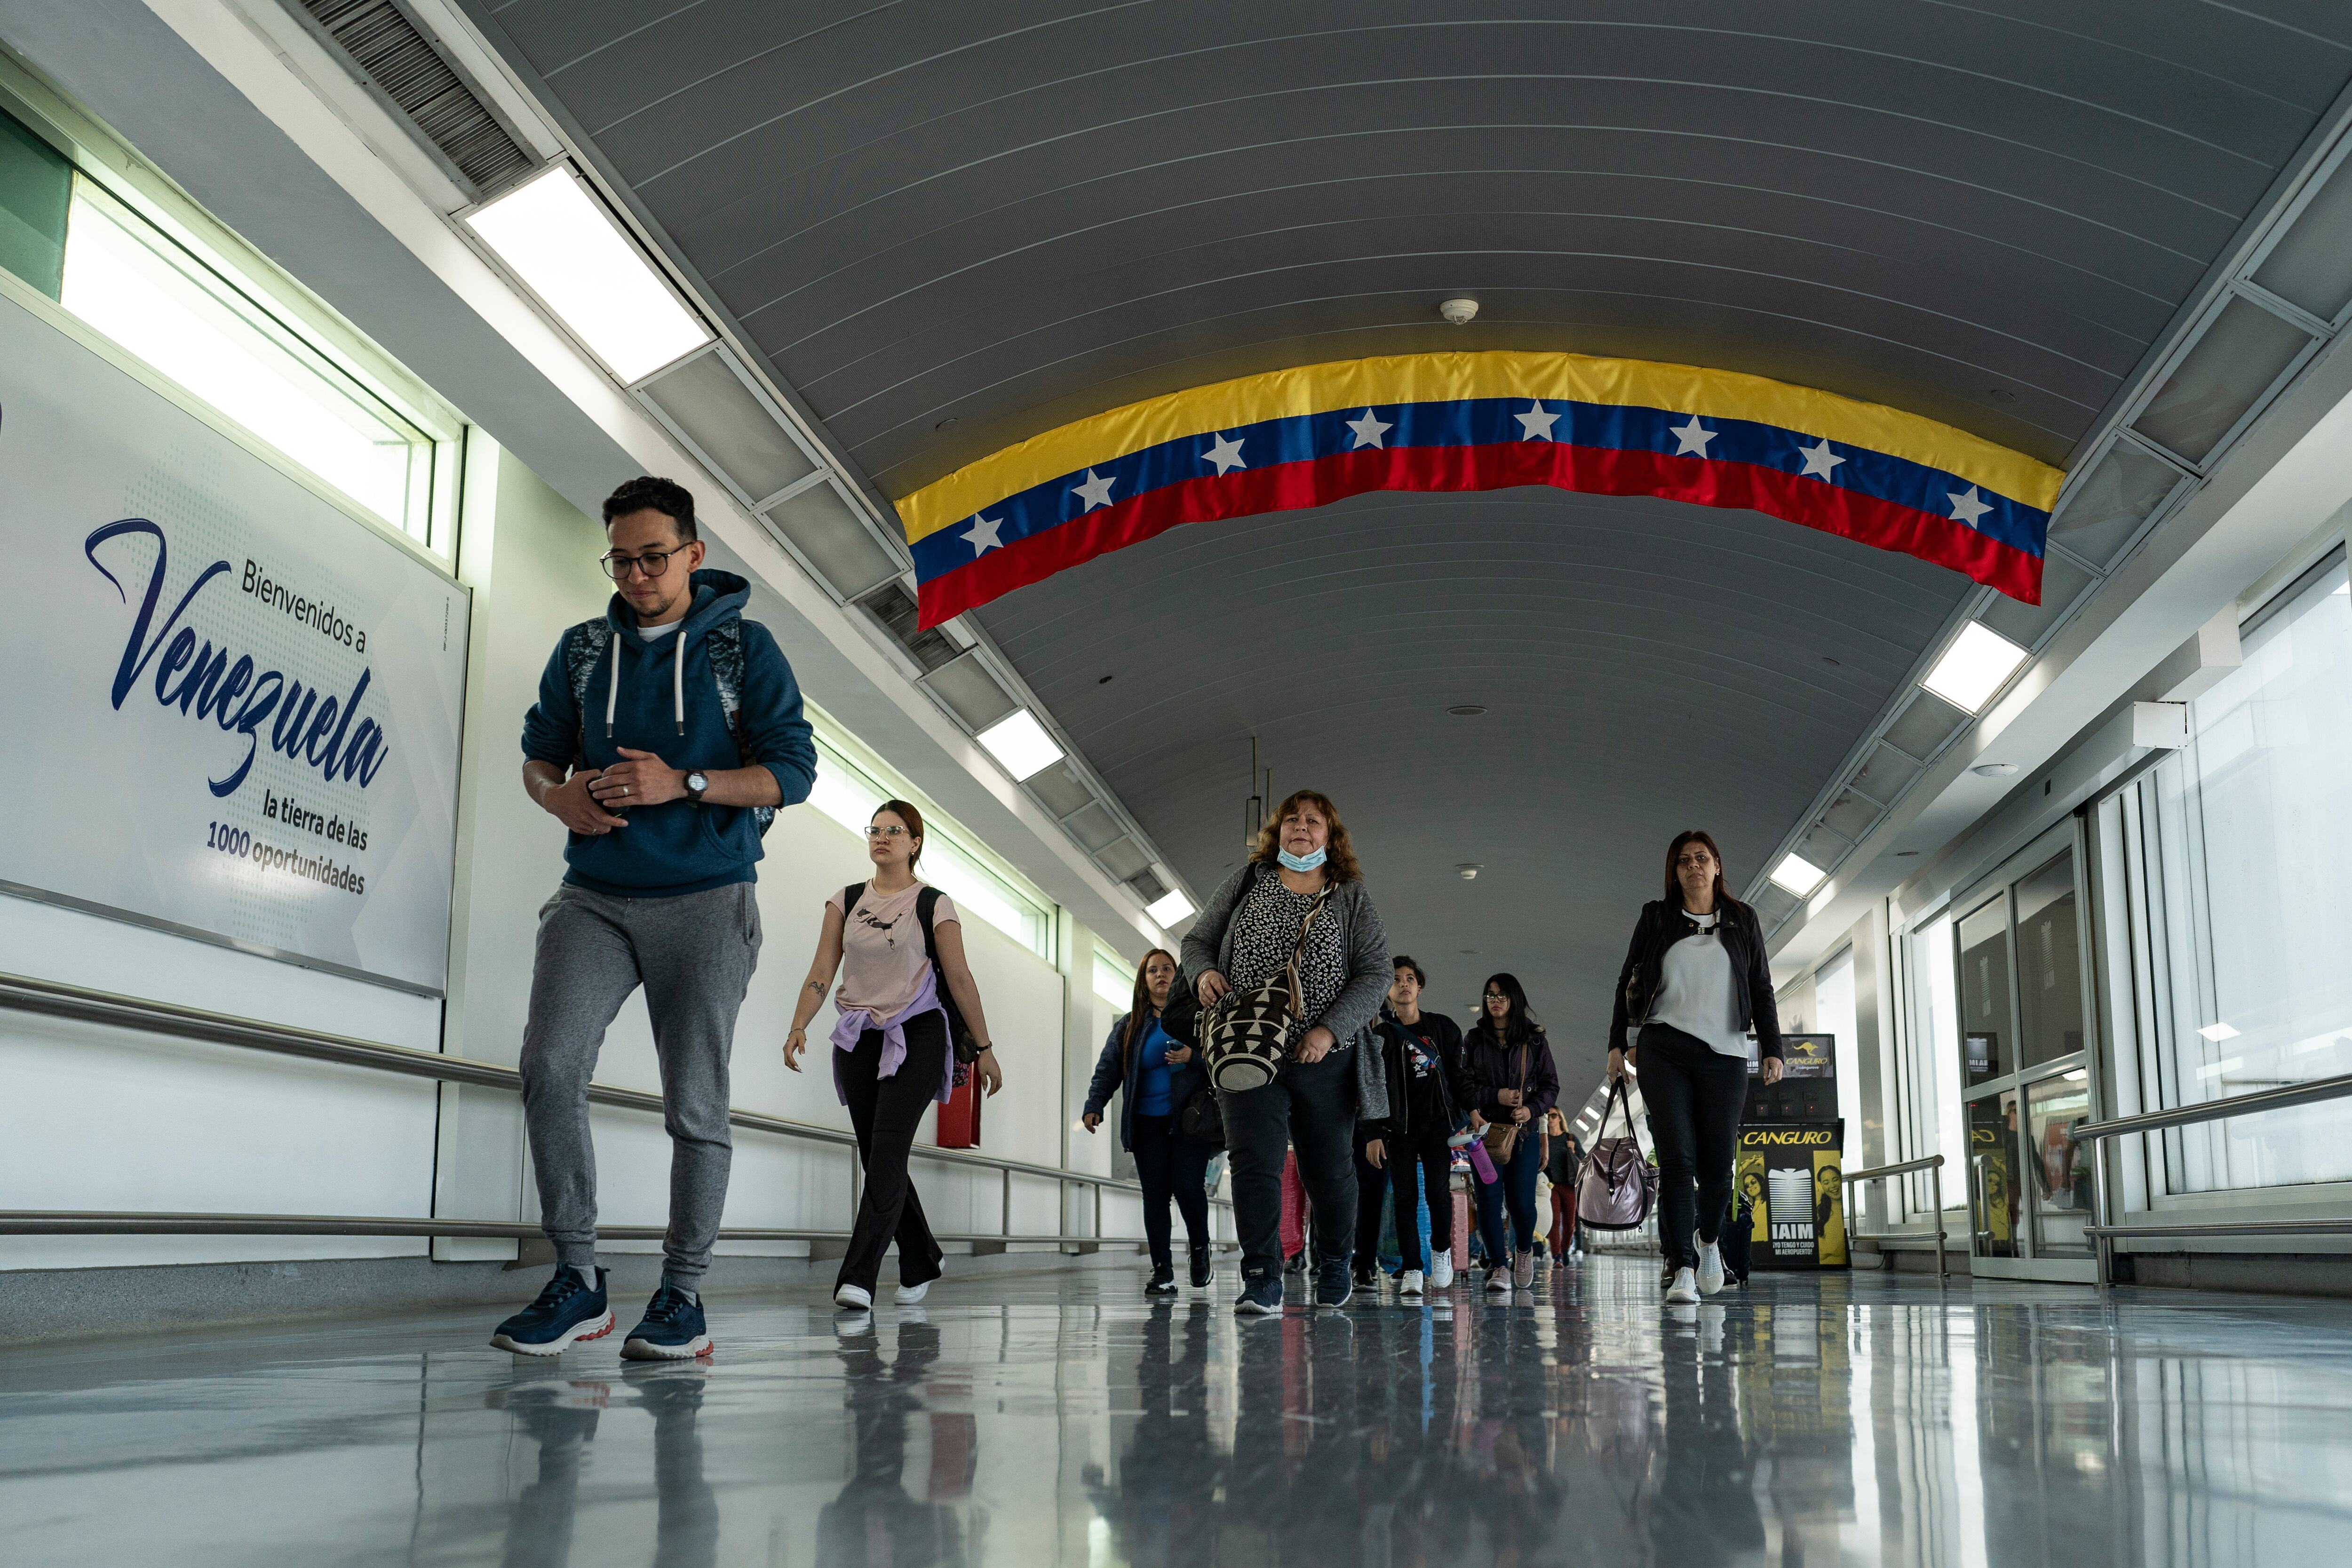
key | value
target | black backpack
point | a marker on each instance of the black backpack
(960, 1035)
(584, 650)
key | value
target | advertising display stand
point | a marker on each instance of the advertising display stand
(1790, 1163)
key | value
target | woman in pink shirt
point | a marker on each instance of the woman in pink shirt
(892, 1056)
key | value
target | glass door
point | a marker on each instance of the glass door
(2024, 994)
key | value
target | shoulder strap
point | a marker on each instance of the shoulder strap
(850, 897)
(1290, 970)
(925, 902)
(583, 650)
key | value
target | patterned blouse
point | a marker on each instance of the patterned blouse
(1265, 929)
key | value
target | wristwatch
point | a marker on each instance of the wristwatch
(696, 782)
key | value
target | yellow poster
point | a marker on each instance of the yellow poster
(1792, 1173)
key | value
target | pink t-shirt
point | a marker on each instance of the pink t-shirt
(882, 959)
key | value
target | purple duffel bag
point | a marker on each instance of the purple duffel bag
(1617, 1185)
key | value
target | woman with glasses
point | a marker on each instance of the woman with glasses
(892, 1055)
(1155, 1074)
(1302, 878)
(1507, 1058)
(1695, 980)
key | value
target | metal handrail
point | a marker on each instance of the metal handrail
(52, 999)
(1934, 1165)
(80, 1222)
(2102, 1235)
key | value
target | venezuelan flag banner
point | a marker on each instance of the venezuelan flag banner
(1308, 436)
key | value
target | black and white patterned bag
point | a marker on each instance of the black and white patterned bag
(1246, 1035)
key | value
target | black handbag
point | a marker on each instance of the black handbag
(1201, 1119)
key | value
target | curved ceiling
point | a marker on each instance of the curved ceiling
(952, 226)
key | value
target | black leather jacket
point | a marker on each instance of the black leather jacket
(1663, 925)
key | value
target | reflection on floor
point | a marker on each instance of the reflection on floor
(1057, 1418)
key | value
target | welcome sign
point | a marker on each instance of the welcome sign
(236, 711)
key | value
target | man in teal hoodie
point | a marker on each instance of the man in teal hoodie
(665, 737)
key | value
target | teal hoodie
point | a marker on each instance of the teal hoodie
(677, 712)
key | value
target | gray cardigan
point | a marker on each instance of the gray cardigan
(1210, 945)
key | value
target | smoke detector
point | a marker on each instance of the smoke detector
(1458, 313)
(1469, 870)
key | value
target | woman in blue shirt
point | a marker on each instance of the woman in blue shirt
(1155, 1075)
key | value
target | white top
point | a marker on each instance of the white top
(1696, 992)
(651, 633)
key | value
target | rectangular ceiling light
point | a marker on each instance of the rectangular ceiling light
(556, 236)
(1170, 907)
(1973, 668)
(1021, 744)
(1797, 875)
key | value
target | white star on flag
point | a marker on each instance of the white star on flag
(1095, 491)
(982, 535)
(1535, 425)
(1819, 460)
(1966, 506)
(1369, 430)
(1691, 437)
(1226, 454)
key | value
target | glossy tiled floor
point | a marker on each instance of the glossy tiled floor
(1055, 1418)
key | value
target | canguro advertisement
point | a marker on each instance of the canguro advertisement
(235, 712)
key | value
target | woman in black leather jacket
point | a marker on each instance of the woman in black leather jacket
(1695, 980)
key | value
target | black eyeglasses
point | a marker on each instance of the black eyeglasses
(652, 563)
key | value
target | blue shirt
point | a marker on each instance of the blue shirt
(1152, 1095)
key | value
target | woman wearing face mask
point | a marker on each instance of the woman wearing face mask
(1696, 981)
(892, 1056)
(1507, 1060)
(1155, 1074)
(1244, 938)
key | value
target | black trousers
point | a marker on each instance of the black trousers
(1168, 1164)
(1313, 1109)
(1418, 1162)
(885, 1113)
(1694, 1094)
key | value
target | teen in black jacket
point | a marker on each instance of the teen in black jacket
(1696, 981)
(1407, 1154)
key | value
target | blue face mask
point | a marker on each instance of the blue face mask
(1299, 862)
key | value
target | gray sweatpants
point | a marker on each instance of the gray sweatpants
(694, 954)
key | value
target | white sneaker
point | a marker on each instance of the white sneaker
(1499, 1282)
(1441, 1269)
(1710, 1265)
(1683, 1291)
(1410, 1286)
(910, 1294)
(852, 1298)
(1523, 1267)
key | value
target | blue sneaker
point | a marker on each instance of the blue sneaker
(568, 1310)
(1334, 1282)
(672, 1330)
(1261, 1297)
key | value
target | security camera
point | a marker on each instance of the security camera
(1458, 313)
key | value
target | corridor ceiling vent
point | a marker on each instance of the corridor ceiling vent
(1306, 437)
(561, 244)
(405, 70)
(1975, 667)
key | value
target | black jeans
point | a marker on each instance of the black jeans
(1168, 1164)
(1694, 1094)
(1417, 1163)
(885, 1112)
(1312, 1109)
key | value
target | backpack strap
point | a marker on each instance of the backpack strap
(583, 650)
(850, 897)
(724, 644)
(925, 902)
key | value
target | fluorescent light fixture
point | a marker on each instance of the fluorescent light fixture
(1973, 668)
(555, 235)
(1797, 875)
(2217, 1033)
(1021, 744)
(1170, 907)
